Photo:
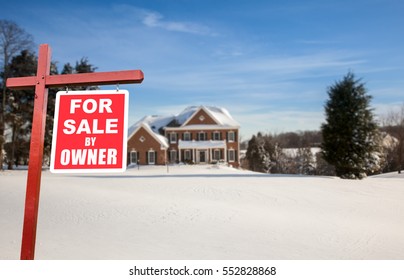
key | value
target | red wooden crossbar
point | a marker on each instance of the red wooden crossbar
(42, 81)
(84, 79)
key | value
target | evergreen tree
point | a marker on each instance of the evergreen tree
(260, 153)
(13, 39)
(252, 154)
(350, 133)
(19, 107)
(305, 161)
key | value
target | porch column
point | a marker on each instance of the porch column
(179, 154)
(225, 153)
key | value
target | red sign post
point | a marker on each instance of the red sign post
(42, 81)
(90, 132)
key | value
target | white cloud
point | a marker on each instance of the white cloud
(154, 19)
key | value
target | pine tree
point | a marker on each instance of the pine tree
(13, 39)
(305, 161)
(350, 133)
(19, 106)
(260, 153)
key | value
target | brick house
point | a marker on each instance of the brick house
(199, 134)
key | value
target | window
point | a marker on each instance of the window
(142, 139)
(187, 136)
(173, 137)
(201, 118)
(231, 136)
(133, 157)
(232, 155)
(216, 135)
(151, 157)
(201, 136)
(173, 155)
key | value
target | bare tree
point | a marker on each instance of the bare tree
(13, 39)
(394, 124)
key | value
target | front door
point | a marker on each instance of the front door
(202, 156)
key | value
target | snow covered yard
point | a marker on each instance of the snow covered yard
(206, 212)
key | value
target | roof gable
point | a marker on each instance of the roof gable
(151, 128)
(201, 116)
(207, 115)
(157, 137)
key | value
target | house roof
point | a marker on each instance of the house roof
(152, 124)
(220, 115)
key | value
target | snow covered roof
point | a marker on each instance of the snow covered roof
(220, 115)
(152, 124)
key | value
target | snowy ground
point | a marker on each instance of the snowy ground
(206, 212)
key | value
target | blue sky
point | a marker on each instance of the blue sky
(268, 62)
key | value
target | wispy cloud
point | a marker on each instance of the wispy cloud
(156, 20)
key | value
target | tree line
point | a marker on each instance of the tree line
(351, 143)
(19, 60)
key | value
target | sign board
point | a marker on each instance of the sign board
(90, 131)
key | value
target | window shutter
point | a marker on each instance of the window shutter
(155, 158)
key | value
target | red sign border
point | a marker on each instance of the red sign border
(125, 132)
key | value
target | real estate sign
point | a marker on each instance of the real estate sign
(90, 131)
